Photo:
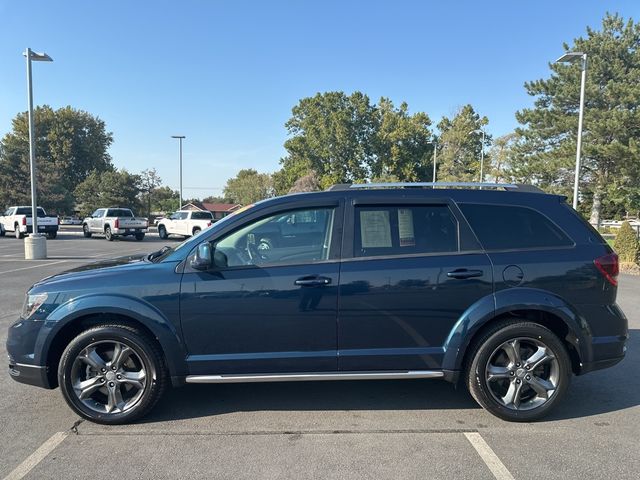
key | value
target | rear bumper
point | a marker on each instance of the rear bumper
(43, 228)
(128, 231)
(608, 341)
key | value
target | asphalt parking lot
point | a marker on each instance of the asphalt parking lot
(386, 429)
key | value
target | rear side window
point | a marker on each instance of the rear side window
(507, 227)
(201, 216)
(404, 230)
(119, 212)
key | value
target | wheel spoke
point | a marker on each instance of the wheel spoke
(540, 356)
(136, 379)
(120, 355)
(512, 397)
(544, 388)
(92, 358)
(115, 400)
(86, 388)
(495, 372)
(512, 349)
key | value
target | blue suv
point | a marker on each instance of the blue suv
(502, 287)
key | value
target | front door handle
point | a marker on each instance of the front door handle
(312, 281)
(462, 273)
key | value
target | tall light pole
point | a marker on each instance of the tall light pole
(180, 138)
(568, 58)
(435, 159)
(35, 246)
(481, 130)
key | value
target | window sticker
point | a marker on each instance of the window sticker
(405, 228)
(375, 229)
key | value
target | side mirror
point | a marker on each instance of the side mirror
(202, 257)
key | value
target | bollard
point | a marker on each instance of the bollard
(35, 247)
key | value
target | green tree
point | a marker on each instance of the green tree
(306, 183)
(460, 146)
(115, 188)
(248, 187)
(610, 171)
(500, 166)
(70, 144)
(165, 200)
(626, 244)
(215, 199)
(149, 182)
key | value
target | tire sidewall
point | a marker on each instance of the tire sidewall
(107, 234)
(108, 334)
(480, 389)
(162, 232)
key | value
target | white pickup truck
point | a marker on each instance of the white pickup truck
(185, 223)
(18, 220)
(115, 222)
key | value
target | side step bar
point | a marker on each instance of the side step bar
(314, 376)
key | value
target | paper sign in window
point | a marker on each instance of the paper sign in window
(375, 229)
(405, 228)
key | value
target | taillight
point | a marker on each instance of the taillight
(609, 267)
(208, 224)
(24, 220)
(116, 224)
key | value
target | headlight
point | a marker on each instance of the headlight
(32, 303)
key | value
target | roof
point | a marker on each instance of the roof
(221, 207)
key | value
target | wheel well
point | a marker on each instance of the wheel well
(79, 325)
(546, 319)
(106, 226)
(194, 229)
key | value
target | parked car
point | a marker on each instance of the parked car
(115, 222)
(18, 220)
(185, 223)
(70, 221)
(505, 289)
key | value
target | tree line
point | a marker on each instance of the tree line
(335, 137)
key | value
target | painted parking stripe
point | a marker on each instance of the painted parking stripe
(36, 457)
(488, 456)
(33, 266)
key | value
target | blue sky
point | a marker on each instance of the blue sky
(226, 74)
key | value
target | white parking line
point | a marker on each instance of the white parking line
(36, 457)
(488, 456)
(33, 266)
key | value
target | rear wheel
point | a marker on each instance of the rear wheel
(518, 371)
(85, 231)
(140, 236)
(162, 232)
(16, 230)
(107, 234)
(112, 374)
(196, 230)
(52, 235)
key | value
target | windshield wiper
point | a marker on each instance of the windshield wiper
(159, 253)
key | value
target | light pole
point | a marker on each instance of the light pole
(481, 130)
(35, 246)
(568, 58)
(180, 138)
(435, 159)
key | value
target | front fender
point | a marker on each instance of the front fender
(148, 315)
(509, 300)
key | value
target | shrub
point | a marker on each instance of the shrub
(626, 245)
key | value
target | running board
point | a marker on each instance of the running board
(313, 376)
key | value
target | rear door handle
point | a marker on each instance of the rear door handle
(463, 273)
(312, 281)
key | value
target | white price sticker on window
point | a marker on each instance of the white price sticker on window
(405, 228)
(375, 229)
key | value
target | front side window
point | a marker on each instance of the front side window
(279, 239)
(506, 227)
(98, 213)
(404, 229)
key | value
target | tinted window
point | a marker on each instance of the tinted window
(279, 239)
(502, 227)
(119, 212)
(404, 229)
(27, 211)
(201, 216)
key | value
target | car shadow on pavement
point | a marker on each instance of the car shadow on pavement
(193, 401)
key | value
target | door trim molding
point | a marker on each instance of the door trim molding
(314, 376)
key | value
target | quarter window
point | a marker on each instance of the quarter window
(506, 227)
(404, 229)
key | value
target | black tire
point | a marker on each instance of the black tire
(196, 230)
(52, 235)
(85, 231)
(162, 232)
(19, 235)
(145, 350)
(485, 349)
(107, 233)
(2, 231)
(140, 236)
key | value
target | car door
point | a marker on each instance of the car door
(265, 310)
(96, 220)
(409, 272)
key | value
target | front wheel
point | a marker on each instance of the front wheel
(112, 374)
(86, 231)
(518, 371)
(107, 234)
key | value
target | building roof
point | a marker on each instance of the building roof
(221, 207)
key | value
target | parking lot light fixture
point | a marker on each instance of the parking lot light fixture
(570, 57)
(35, 246)
(435, 159)
(180, 138)
(481, 130)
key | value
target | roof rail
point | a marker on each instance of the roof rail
(481, 185)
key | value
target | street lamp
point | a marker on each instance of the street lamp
(35, 246)
(435, 158)
(180, 138)
(568, 58)
(481, 130)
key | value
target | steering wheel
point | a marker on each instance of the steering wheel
(254, 253)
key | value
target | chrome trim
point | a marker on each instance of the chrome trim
(313, 376)
(26, 365)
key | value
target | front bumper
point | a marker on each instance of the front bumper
(26, 364)
(36, 375)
